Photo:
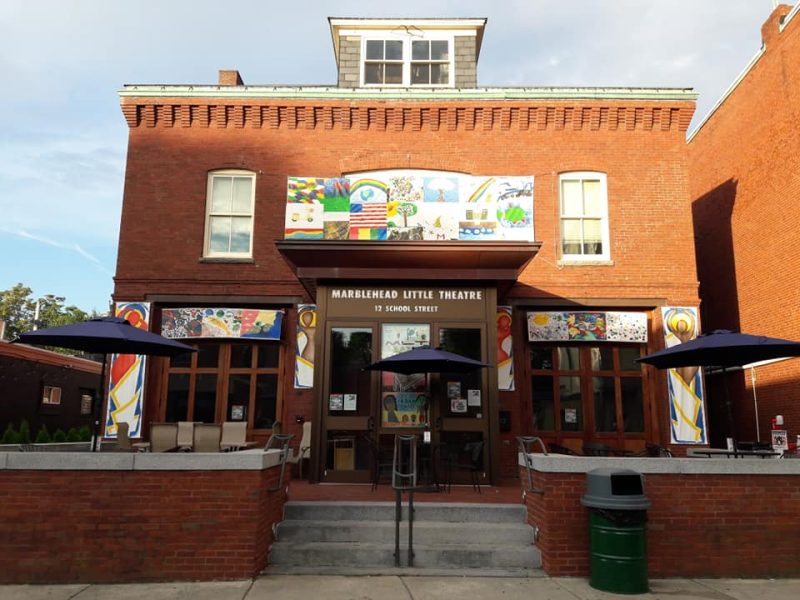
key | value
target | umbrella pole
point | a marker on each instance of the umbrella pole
(98, 406)
(729, 407)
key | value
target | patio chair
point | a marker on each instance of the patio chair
(381, 463)
(303, 451)
(163, 437)
(597, 449)
(469, 459)
(185, 439)
(124, 443)
(207, 437)
(234, 436)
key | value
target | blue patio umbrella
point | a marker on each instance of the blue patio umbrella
(104, 335)
(425, 359)
(724, 349)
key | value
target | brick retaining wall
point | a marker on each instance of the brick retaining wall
(740, 518)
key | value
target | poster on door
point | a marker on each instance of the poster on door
(405, 409)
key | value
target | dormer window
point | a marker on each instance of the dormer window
(407, 62)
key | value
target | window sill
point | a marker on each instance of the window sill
(225, 259)
(585, 262)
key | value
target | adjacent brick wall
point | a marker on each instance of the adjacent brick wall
(699, 525)
(745, 182)
(125, 526)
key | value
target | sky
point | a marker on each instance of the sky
(63, 138)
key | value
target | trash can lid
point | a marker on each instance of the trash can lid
(621, 489)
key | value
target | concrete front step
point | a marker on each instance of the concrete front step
(423, 511)
(358, 538)
(425, 532)
(440, 556)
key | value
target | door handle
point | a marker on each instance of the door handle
(370, 423)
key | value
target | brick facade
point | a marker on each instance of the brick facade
(745, 181)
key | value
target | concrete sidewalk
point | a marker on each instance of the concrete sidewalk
(296, 587)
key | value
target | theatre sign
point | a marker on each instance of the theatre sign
(378, 302)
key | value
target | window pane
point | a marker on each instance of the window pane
(420, 74)
(543, 404)
(571, 236)
(592, 237)
(374, 49)
(602, 358)
(221, 194)
(266, 401)
(591, 199)
(242, 188)
(420, 50)
(177, 398)
(439, 50)
(541, 357)
(627, 359)
(394, 73)
(439, 74)
(220, 231)
(241, 356)
(571, 200)
(240, 234)
(394, 50)
(208, 356)
(181, 361)
(632, 405)
(238, 397)
(373, 73)
(268, 356)
(569, 359)
(605, 411)
(571, 405)
(205, 398)
(351, 351)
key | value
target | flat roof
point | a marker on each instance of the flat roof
(247, 92)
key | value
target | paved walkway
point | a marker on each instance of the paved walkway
(288, 587)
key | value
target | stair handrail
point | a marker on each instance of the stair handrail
(404, 479)
(282, 441)
(525, 443)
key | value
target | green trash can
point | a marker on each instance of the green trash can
(617, 536)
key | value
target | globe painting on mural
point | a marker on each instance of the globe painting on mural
(126, 376)
(685, 384)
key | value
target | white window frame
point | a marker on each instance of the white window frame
(51, 395)
(406, 39)
(604, 227)
(207, 252)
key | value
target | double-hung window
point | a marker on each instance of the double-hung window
(408, 62)
(584, 216)
(229, 214)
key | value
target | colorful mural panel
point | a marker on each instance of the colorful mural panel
(304, 221)
(221, 323)
(126, 376)
(405, 409)
(684, 385)
(304, 348)
(441, 189)
(472, 208)
(587, 326)
(505, 350)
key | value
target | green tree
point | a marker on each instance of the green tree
(42, 437)
(24, 432)
(22, 312)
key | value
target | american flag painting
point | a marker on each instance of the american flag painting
(367, 214)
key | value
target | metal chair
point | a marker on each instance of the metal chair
(185, 440)
(207, 437)
(473, 453)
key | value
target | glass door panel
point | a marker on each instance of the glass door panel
(348, 410)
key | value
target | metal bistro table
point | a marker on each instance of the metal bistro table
(724, 452)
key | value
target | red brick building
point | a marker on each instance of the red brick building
(745, 182)
(569, 210)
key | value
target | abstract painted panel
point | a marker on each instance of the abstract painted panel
(587, 326)
(221, 323)
(126, 376)
(305, 190)
(304, 348)
(505, 350)
(684, 385)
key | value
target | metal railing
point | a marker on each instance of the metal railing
(525, 443)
